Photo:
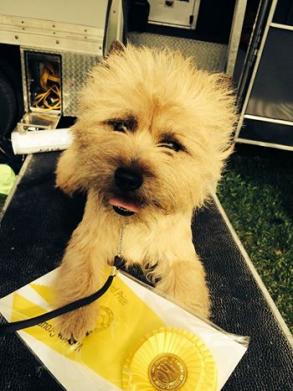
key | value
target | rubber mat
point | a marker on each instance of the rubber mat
(33, 236)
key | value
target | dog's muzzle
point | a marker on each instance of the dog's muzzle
(127, 180)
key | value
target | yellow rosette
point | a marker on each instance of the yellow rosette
(170, 359)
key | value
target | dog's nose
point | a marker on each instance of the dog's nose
(128, 178)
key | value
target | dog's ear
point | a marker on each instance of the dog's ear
(225, 81)
(116, 47)
(68, 172)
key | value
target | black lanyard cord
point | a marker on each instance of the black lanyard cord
(8, 328)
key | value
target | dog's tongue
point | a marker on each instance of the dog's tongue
(130, 206)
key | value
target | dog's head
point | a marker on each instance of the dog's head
(152, 133)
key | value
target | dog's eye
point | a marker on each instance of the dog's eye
(119, 126)
(171, 144)
(122, 125)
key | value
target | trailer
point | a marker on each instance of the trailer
(57, 45)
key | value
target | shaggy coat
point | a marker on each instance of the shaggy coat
(153, 113)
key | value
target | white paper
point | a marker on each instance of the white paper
(227, 351)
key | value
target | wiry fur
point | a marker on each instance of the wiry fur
(165, 93)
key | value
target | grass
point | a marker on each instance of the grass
(257, 195)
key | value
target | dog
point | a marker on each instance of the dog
(149, 145)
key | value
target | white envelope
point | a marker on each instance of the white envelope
(226, 349)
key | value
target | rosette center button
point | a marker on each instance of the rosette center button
(167, 371)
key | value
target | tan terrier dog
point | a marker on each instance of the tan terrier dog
(148, 149)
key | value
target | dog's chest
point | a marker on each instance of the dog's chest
(153, 246)
(138, 248)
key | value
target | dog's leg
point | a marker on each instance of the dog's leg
(185, 282)
(77, 278)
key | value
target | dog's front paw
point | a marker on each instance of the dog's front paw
(151, 274)
(75, 325)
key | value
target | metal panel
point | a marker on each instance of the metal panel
(115, 24)
(207, 55)
(264, 144)
(267, 108)
(264, 132)
(54, 25)
(272, 92)
(251, 52)
(50, 35)
(268, 119)
(255, 69)
(284, 12)
(176, 13)
(75, 69)
(88, 13)
(235, 35)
